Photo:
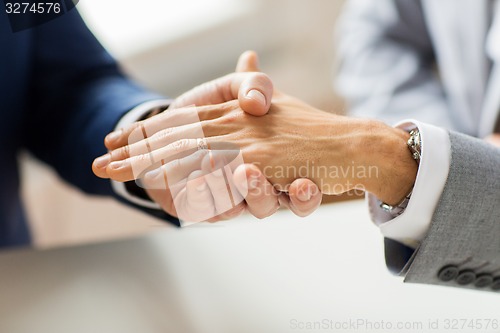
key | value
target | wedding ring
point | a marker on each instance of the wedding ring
(202, 144)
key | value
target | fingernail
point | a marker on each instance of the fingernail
(116, 165)
(114, 136)
(305, 194)
(102, 161)
(257, 96)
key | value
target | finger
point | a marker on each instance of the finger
(205, 187)
(172, 173)
(165, 182)
(248, 62)
(231, 214)
(157, 141)
(256, 91)
(227, 157)
(162, 197)
(260, 195)
(195, 203)
(170, 135)
(253, 90)
(145, 136)
(135, 167)
(255, 94)
(305, 197)
(123, 136)
(99, 166)
(171, 118)
(214, 169)
(143, 147)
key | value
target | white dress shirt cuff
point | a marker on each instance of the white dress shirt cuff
(131, 117)
(412, 225)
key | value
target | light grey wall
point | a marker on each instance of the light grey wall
(293, 37)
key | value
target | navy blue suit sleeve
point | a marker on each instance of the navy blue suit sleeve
(77, 97)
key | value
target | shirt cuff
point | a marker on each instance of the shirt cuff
(131, 117)
(411, 226)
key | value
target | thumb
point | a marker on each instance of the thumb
(255, 94)
(253, 90)
(248, 62)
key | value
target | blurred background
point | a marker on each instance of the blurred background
(171, 46)
(236, 276)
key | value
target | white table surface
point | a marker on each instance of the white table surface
(243, 276)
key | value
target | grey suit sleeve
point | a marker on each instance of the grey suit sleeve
(462, 247)
(387, 63)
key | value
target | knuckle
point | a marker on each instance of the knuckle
(180, 145)
(143, 157)
(163, 134)
(140, 163)
(207, 126)
(135, 134)
(124, 151)
(231, 118)
(262, 79)
(261, 76)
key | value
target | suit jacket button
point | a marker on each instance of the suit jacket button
(448, 273)
(496, 284)
(465, 277)
(483, 280)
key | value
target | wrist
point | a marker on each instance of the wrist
(385, 149)
(347, 144)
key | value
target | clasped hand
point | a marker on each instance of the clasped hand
(190, 159)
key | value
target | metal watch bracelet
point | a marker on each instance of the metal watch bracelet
(414, 144)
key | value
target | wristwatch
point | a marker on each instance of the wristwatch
(414, 144)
